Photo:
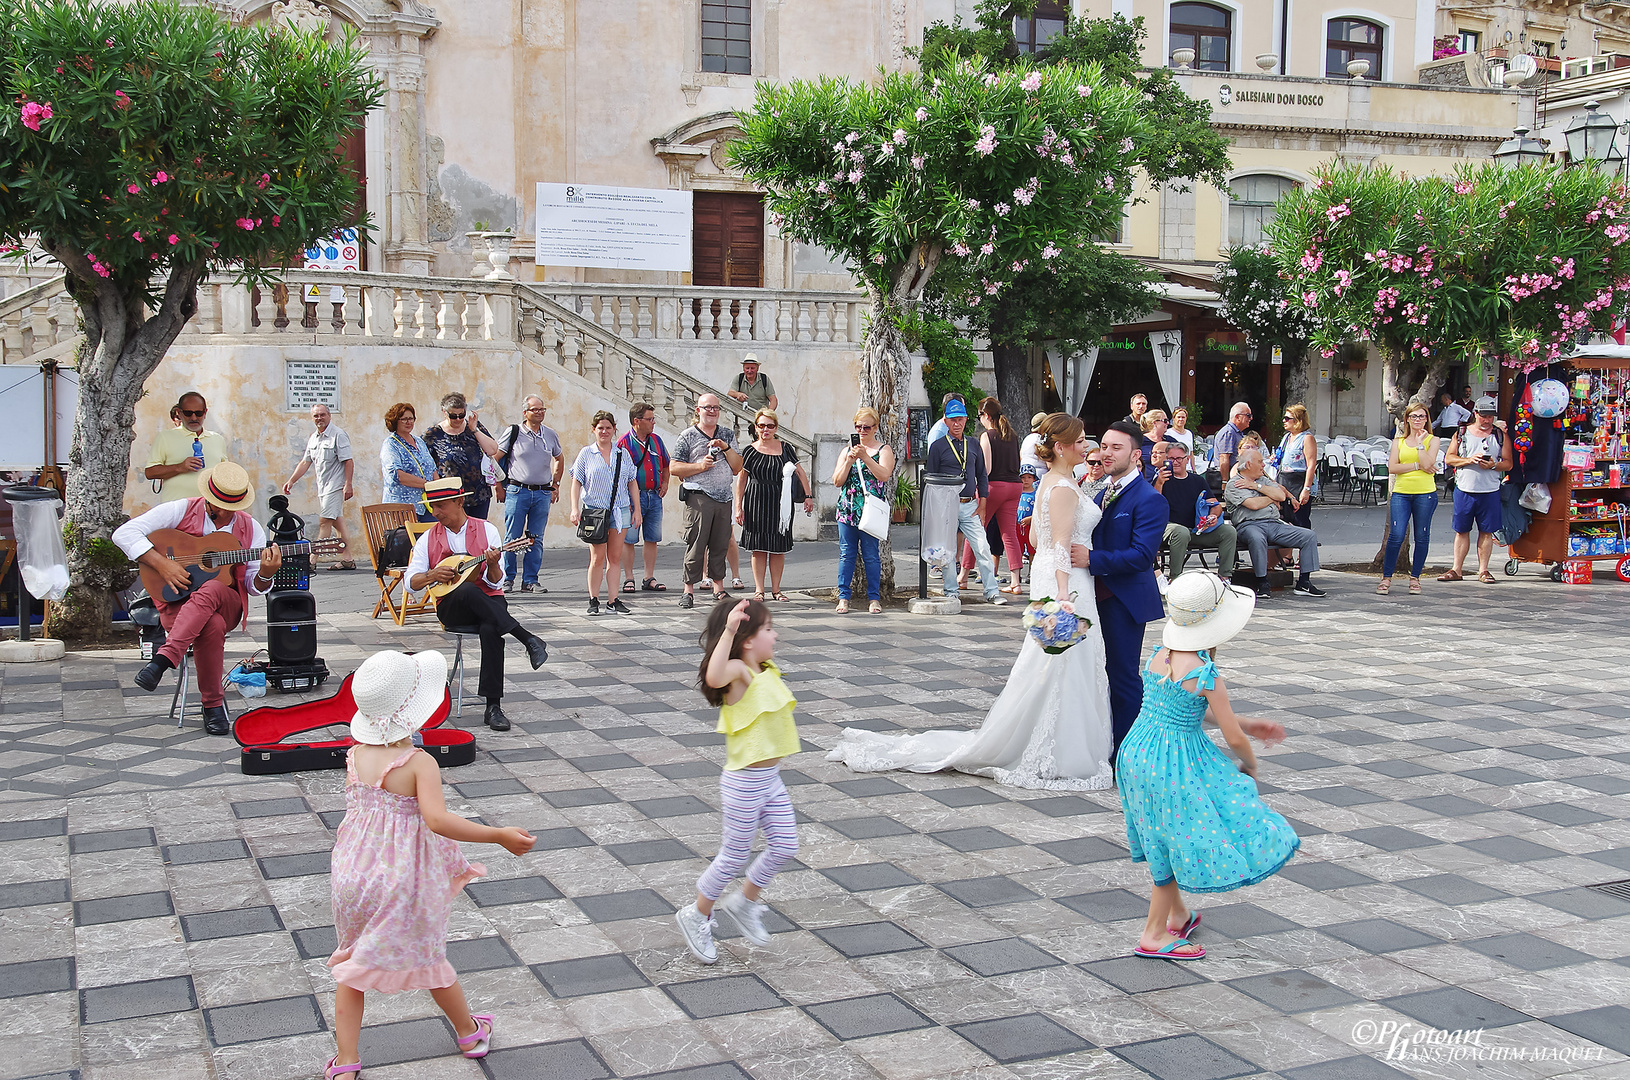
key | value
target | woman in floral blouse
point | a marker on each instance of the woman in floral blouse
(874, 461)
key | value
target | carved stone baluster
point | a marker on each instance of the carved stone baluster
(667, 318)
(685, 312)
(549, 339)
(747, 321)
(260, 311)
(571, 350)
(804, 320)
(783, 320)
(424, 317)
(475, 317)
(280, 299)
(528, 324)
(209, 308)
(840, 322)
(340, 301)
(644, 317)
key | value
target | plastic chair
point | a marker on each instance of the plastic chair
(1359, 479)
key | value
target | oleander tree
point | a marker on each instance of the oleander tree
(1256, 298)
(1492, 263)
(147, 148)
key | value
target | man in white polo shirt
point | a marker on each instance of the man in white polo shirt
(328, 454)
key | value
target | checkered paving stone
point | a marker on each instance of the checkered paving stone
(166, 916)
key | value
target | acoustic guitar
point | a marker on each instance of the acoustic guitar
(465, 566)
(206, 558)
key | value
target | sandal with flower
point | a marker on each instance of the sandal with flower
(478, 1042)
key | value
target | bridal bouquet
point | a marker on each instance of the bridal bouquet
(1054, 628)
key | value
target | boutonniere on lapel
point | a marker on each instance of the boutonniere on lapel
(1111, 493)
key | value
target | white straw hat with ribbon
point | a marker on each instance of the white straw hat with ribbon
(396, 694)
(1204, 611)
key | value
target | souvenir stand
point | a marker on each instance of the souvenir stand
(1588, 519)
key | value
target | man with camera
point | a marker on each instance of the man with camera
(1480, 454)
(705, 461)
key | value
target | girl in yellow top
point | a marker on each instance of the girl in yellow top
(739, 675)
(1413, 463)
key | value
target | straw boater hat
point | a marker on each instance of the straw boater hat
(226, 485)
(1205, 612)
(396, 694)
(448, 487)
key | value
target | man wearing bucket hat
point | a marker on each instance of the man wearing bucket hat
(200, 621)
(959, 456)
(480, 600)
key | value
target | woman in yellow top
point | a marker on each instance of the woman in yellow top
(739, 675)
(1413, 463)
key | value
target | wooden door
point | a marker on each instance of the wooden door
(727, 242)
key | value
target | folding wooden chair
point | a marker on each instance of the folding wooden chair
(377, 521)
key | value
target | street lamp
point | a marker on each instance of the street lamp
(1521, 150)
(1166, 342)
(1592, 138)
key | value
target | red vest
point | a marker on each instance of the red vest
(475, 543)
(194, 522)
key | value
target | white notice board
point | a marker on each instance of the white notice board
(22, 403)
(613, 228)
(311, 382)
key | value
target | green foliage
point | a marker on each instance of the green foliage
(1503, 262)
(174, 139)
(905, 491)
(1196, 413)
(1257, 298)
(951, 359)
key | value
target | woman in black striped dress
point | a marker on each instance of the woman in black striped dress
(764, 502)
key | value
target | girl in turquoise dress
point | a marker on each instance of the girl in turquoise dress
(1191, 813)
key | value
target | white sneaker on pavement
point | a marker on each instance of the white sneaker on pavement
(698, 931)
(748, 915)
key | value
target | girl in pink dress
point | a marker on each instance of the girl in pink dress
(396, 864)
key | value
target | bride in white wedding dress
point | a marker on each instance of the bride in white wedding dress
(1050, 728)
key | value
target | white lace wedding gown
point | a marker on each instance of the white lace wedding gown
(1050, 728)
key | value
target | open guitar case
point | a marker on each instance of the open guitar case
(270, 735)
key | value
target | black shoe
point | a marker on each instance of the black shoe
(618, 606)
(1307, 588)
(536, 651)
(594, 605)
(1263, 590)
(216, 721)
(687, 600)
(534, 587)
(495, 718)
(150, 674)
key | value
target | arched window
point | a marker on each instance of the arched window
(1208, 30)
(1043, 25)
(1349, 40)
(1251, 202)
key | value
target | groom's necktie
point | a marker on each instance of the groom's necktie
(1107, 497)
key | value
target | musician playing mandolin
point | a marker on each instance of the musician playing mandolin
(201, 620)
(479, 601)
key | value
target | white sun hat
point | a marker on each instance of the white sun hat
(396, 694)
(1204, 611)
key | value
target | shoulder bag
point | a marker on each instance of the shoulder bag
(874, 512)
(594, 522)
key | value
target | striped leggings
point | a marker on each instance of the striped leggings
(753, 799)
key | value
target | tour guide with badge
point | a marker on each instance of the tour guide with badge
(957, 455)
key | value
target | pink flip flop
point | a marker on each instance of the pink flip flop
(478, 1042)
(332, 1069)
(1165, 951)
(1188, 927)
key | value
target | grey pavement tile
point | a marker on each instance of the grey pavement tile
(36, 977)
(604, 762)
(1608, 1026)
(1585, 903)
(1323, 875)
(672, 806)
(1500, 776)
(1003, 956)
(260, 1020)
(868, 787)
(1343, 795)
(589, 975)
(1402, 716)
(1398, 768)
(573, 797)
(1141, 974)
(1448, 744)
(870, 723)
(633, 731)
(127, 1001)
(316, 942)
(691, 770)
(111, 840)
(1615, 857)
(965, 796)
(1299, 761)
(789, 777)
(1109, 905)
(868, 828)
(986, 891)
(525, 753)
(32, 893)
(1543, 752)
(1390, 838)
(269, 808)
(1452, 889)
(274, 867)
(1449, 805)
(643, 852)
(234, 922)
(480, 954)
(1522, 705)
(1184, 1057)
(1355, 737)
(1512, 849)
(634, 904)
(863, 1017)
(1083, 850)
(1561, 813)
(331, 819)
(727, 996)
(719, 1070)
(406, 1040)
(1293, 991)
(1058, 806)
(1243, 920)
(1352, 1068)
(1527, 951)
(122, 908)
(1379, 935)
(33, 829)
(486, 789)
(1014, 1039)
(494, 893)
(1453, 1009)
(206, 851)
(560, 839)
(1606, 785)
(868, 939)
(976, 838)
(867, 876)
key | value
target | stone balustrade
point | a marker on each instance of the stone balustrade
(696, 313)
(38, 323)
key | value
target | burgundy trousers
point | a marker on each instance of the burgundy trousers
(201, 622)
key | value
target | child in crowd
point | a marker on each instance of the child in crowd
(1191, 813)
(739, 675)
(396, 866)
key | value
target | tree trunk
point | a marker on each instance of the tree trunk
(1295, 384)
(1013, 383)
(120, 351)
(1399, 390)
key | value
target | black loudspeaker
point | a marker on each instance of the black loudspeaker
(291, 627)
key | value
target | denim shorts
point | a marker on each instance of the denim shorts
(650, 517)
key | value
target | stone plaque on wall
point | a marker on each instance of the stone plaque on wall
(312, 382)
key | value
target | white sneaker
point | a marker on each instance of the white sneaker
(748, 915)
(996, 601)
(698, 931)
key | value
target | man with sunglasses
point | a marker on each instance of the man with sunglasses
(1186, 528)
(174, 461)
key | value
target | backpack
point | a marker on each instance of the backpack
(513, 433)
(395, 550)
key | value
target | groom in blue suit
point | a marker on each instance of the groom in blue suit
(1122, 565)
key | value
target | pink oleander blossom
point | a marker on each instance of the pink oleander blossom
(1083, 90)
(986, 249)
(134, 189)
(917, 161)
(1003, 209)
(174, 239)
(1023, 195)
(987, 140)
(1031, 82)
(899, 136)
(921, 113)
(246, 224)
(136, 236)
(160, 177)
(990, 79)
(1050, 252)
(35, 113)
(973, 204)
(121, 100)
(851, 137)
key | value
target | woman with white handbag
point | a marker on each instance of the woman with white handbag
(861, 477)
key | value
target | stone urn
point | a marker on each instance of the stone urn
(498, 244)
(479, 266)
(1267, 61)
(1182, 58)
(1358, 68)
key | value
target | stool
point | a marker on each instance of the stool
(459, 634)
(178, 702)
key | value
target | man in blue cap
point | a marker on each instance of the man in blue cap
(956, 454)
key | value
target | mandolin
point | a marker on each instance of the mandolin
(213, 556)
(465, 566)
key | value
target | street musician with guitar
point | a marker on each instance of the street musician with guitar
(200, 618)
(477, 599)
